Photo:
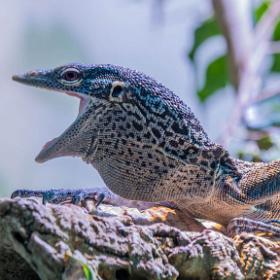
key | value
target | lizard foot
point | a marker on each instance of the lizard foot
(66, 195)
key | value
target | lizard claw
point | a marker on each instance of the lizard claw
(98, 195)
(101, 197)
(57, 196)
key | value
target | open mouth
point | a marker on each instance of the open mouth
(52, 143)
(55, 147)
(83, 100)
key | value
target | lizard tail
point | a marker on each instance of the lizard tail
(260, 187)
(268, 212)
(261, 183)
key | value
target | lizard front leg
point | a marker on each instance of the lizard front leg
(78, 196)
(163, 211)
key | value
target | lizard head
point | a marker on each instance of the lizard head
(94, 85)
(106, 82)
(118, 105)
(74, 79)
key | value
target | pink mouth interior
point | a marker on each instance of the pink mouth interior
(82, 100)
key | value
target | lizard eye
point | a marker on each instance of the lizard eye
(71, 75)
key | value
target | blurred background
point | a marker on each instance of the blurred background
(180, 43)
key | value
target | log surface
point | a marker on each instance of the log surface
(68, 242)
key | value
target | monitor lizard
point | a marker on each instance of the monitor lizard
(147, 145)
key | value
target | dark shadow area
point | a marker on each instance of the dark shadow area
(14, 267)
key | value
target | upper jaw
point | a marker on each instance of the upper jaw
(41, 79)
(33, 78)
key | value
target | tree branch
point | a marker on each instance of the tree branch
(247, 49)
(65, 242)
(267, 93)
(274, 47)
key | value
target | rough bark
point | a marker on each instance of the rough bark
(69, 242)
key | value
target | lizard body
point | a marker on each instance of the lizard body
(147, 145)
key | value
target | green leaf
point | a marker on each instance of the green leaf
(216, 78)
(206, 30)
(260, 10)
(247, 156)
(88, 272)
(276, 57)
(265, 142)
(258, 13)
(275, 63)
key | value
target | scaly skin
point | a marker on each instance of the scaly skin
(147, 145)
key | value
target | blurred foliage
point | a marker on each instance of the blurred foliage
(262, 120)
(88, 272)
(216, 78)
(249, 156)
(260, 11)
(207, 29)
(276, 57)
(264, 114)
(259, 117)
(265, 142)
(216, 73)
(259, 146)
(78, 268)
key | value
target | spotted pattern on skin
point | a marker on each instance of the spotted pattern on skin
(147, 145)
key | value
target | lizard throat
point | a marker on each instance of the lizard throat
(52, 148)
